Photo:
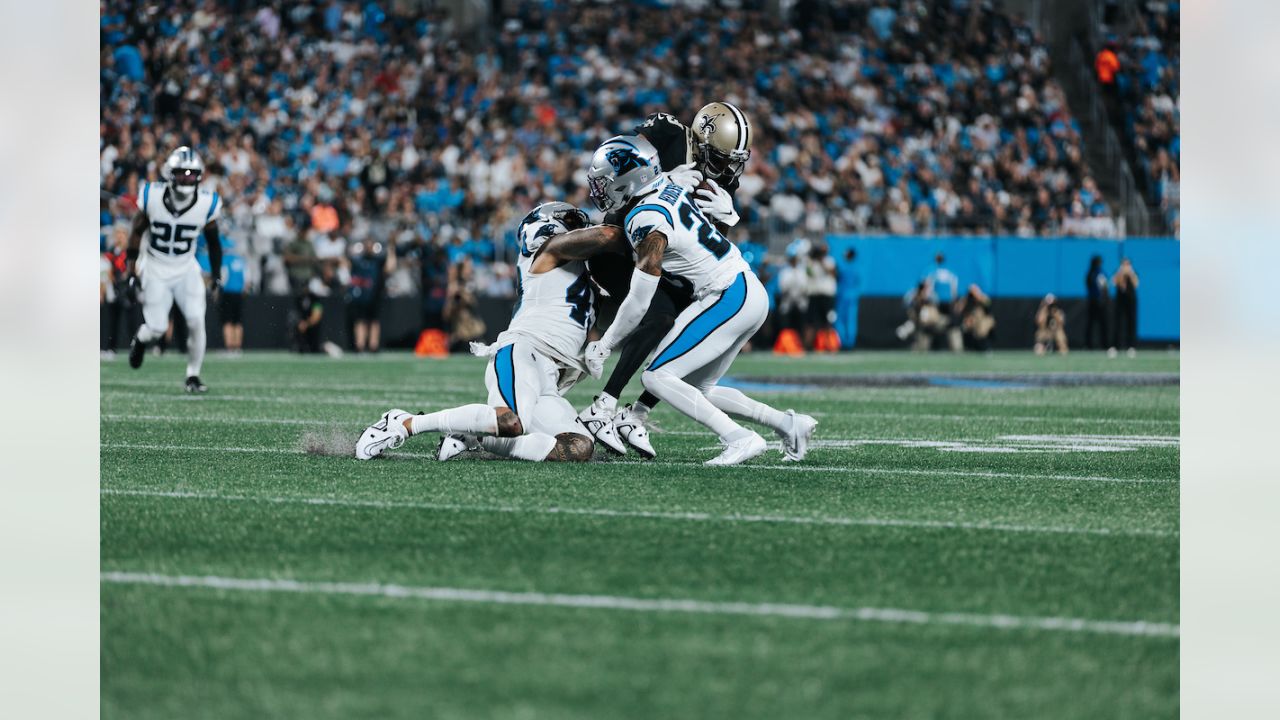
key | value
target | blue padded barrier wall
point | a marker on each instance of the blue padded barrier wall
(1013, 267)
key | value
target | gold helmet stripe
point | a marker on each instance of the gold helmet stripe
(744, 130)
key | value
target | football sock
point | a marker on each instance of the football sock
(735, 403)
(607, 402)
(474, 418)
(195, 346)
(534, 447)
(686, 398)
(641, 408)
(648, 400)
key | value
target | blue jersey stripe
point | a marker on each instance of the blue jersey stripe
(505, 366)
(638, 208)
(707, 322)
(146, 192)
(212, 207)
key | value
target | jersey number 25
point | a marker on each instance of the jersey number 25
(172, 239)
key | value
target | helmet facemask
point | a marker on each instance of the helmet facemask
(719, 165)
(598, 191)
(183, 182)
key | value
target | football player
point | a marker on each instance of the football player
(670, 233)
(713, 151)
(533, 362)
(170, 215)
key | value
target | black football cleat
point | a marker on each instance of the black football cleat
(194, 385)
(137, 351)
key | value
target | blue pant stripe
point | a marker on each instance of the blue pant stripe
(708, 321)
(505, 366)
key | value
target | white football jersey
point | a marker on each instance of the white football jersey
(696, 251)
(174, 231)
(555, 308)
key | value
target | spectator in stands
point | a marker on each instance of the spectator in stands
(1126, 283)
(300, 262)
(976, 321)
(821, 289)
(369, 270)
(1097, 290)
(113, 291)
(107, 313)
(793, 293)
(231, 297)
(848, 293)
(460, 308)
(1051, 327)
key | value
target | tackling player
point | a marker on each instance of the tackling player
(533, 362)
(715, 149)
(170, 214)
(670, 233)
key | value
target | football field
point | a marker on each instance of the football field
(972, 536)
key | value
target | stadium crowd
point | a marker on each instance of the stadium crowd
(326, 123)
(1139, 70)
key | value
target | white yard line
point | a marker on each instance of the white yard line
(236, 420)
(793, 467)
(637, 514)
(1137, 628)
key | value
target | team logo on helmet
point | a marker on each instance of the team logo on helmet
(624, 160)
(707, 125)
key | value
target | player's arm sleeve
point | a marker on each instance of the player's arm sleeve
(140, 224)
(644, 283)
(214, 243)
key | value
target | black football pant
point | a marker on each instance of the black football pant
(654, 326)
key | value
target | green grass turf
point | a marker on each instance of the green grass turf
(220, 486)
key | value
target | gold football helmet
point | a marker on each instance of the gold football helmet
(721, 141)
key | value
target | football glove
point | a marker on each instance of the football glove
(595, 355)
(132, 289)
(716, 203)
(686, 175)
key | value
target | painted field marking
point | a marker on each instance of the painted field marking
(1003, 443)
(636, 514)
(792, 467)
(237, 420)
(1135, 628)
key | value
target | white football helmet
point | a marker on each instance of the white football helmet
(183, 171)
(547, 220)
(622, 168)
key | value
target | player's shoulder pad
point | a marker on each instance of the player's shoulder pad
(655, 212)
(214, 200)
(150, 195)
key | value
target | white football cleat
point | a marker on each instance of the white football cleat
(452, 446)
(386, 434)
(629, 425)
(795, 441)
(740, 451)
(598, 421)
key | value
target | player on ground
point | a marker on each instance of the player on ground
(670, 233)
(170, 214)
(534, 361)
(715, 149)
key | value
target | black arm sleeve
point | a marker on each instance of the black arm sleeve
(214, 243)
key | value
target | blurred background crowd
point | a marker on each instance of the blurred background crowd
(338, 131)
